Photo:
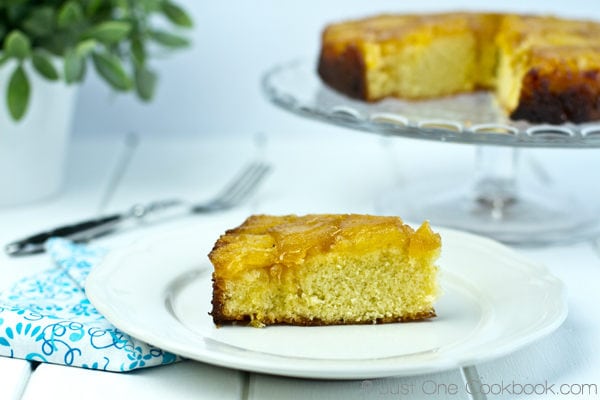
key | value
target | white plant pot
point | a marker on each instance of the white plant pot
(33, 151)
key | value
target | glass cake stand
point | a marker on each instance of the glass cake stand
(493, 203)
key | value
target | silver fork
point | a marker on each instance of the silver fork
(233, 194)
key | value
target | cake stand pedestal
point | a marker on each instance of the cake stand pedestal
(495, 202)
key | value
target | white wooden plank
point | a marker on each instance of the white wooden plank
(314, 172)
(192, 168)
(185, 380)
(349, 171)
(15, 375)
(448, 385)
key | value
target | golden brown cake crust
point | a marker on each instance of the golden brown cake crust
(344, 71)
(220, 319)
(559, 97)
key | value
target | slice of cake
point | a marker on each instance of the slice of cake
(324, 270)
(543, 69)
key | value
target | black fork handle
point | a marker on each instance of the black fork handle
(80, 232)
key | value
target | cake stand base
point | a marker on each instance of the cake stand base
(497, 205)
(529, 220)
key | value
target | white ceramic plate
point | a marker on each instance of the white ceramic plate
(494, 302)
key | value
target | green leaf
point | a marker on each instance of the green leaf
(17, 45)
(151, 6)
(16, 10)
(138, 51)
(43, 64)
(74, 67)
(85, 47)
(18, 93)
(110, 68)
(70, 14)
(40, 22)
(109, 32)
(145, 83)
(122, 4)
(177, 15)
(92, 7)
(169, 39)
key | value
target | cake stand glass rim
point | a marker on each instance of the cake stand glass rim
(470, 118)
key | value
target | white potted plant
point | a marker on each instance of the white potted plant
(47, 50)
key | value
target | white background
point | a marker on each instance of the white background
(213, 87)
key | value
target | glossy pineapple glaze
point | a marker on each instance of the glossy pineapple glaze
(264, 241)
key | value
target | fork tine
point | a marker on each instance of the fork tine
(244, 185)
(240, 178)
(251, 184)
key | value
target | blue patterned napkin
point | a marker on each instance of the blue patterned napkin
(48, 318)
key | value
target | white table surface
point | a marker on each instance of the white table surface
(325, 169)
